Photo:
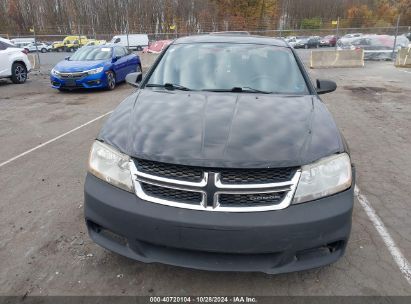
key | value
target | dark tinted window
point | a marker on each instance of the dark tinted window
(4, 45)
(119, 51)
(221, 66)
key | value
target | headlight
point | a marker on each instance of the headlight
(110, 165)
(95, 71)
(54, 72)
(325, 177)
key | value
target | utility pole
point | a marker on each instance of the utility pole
(395, 39)
(338, 28)
(127, 32)
(35, 43)
(79, 35)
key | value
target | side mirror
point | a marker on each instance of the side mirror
(116, 58)
(134, 79)
(67, 58)
(325, 86)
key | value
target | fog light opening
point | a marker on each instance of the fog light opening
(320, 251)
(335, 246)
(108, 234)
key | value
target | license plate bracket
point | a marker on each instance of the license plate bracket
(70, 83)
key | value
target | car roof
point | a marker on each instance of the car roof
(226, 38)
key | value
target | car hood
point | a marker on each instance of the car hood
(223, 130)
(78, 66)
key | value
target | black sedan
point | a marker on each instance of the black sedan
(226, 159)
(308, 42)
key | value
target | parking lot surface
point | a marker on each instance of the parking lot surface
(45, 249)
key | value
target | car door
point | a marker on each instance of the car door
(35, 47)
(311, 42)
(120, 63)
(5, 68)
(132, 61)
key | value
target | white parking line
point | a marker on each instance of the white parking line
(405, 71)
(53, 139)
(398, 257)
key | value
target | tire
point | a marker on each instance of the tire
(59, 50)
(306, 46)
(139, 48)
(18, 73)
(111, 80)
(139, 69)
(43, 50)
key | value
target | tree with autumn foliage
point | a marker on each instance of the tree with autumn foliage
(180, 17)
(382, 13)
(246, 14)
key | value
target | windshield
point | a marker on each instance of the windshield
(91, 53)
(221, 66)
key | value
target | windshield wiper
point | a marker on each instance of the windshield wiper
(249, 89)
(240, 90)
(168, 86)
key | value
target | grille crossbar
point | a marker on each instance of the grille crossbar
(73, 75)
(211, 193)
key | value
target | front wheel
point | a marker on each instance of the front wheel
(19, 73)
(306, 46)
(43, 50)
(111, 80)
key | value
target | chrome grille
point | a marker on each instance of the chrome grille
(74, 75)
(257, 176)
(188, 197)
(228, 190)
(250, 200)
(171, 171)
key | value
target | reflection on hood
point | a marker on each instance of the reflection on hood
(223, 130)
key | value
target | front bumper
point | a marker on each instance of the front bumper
(88, 82)
(299, 237)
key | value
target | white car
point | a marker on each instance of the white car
(291, 40)
(14, 63)
(41, 47)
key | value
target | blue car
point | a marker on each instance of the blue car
(94, 67)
